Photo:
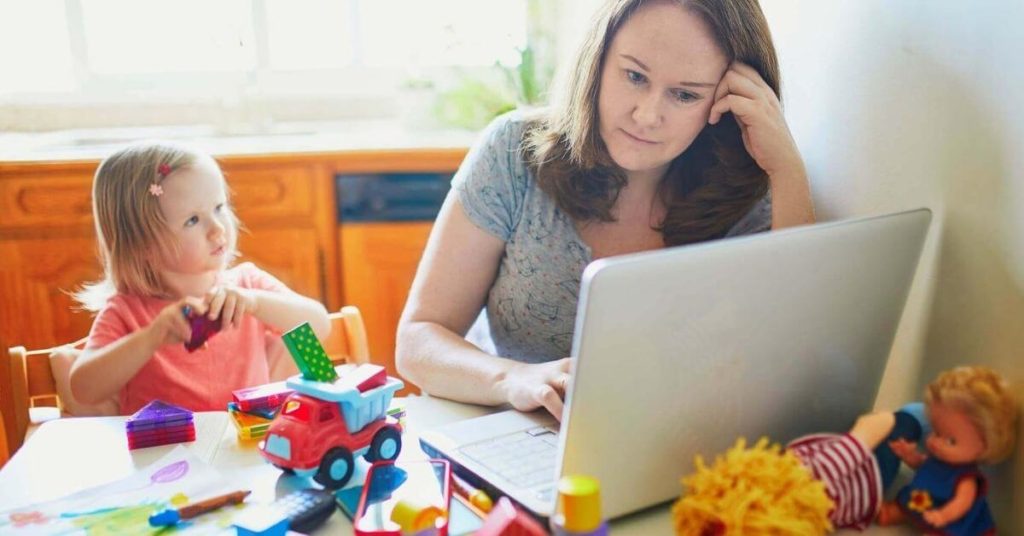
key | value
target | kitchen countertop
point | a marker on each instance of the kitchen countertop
(287, 138)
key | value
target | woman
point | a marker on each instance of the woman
(669, 132)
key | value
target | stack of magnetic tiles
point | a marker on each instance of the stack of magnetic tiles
(159, 423)
(253, 408)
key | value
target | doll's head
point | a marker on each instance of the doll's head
(972, 413)
(758, 490)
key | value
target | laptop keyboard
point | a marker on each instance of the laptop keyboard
(526, 459)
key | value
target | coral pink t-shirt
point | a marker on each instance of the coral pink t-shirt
(202, 380)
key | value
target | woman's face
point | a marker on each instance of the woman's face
(657, 87)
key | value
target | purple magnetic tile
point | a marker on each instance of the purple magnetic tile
(161, 432)
(202, 329)
(158, 412)
(164, 439)
(132, 445)
(137, 427)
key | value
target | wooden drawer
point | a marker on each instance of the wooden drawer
(46, 199)
(262, 193)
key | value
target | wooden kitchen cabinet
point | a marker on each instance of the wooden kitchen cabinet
(379, 262)
(287, 205)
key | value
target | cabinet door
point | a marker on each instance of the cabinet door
(36, 277)
(379, 262)
(290, 255)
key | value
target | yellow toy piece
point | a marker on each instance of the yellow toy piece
(760, 490)
(413, 517)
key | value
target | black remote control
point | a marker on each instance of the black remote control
(306, 509)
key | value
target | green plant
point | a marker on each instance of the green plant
(476, 100)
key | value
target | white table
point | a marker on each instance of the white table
(69, 455)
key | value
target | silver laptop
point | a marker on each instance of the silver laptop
(683, 350)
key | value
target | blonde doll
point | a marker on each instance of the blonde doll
(167, 238)
(823, 482)
(972, 413)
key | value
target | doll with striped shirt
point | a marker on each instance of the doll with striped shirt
(818, 483)
(825, 482)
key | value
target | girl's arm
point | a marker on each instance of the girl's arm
(454, 277)
(963, 498)
(98, 374)
(282, 310)
(285, 310)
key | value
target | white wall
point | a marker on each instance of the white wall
(899, 104)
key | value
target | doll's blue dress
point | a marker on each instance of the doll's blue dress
(934, 485)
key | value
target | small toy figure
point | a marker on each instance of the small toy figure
(972, 413)
(823, 482)
(578, 509)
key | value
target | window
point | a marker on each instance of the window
(350, 55)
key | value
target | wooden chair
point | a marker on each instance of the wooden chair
(32, 386)
(347, 342)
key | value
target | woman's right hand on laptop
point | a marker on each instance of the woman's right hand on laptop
(530, 386)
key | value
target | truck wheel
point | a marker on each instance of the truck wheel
(386, 445)
(335, 468)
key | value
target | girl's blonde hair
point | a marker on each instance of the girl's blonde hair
(708, 187)
(986, 399)
(130, 228)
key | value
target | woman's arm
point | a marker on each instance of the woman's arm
(766, 137)
(791, 199)
(454, 277)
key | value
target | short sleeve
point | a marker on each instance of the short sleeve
(757, 220)
(108, 327)
(491, 182)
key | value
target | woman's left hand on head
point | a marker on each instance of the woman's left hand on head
(758, 113)
(230, 304)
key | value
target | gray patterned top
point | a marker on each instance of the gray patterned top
(531, 307)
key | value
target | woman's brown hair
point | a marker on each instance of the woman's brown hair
(708, 187)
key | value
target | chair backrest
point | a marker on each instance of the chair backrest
(32, 385)
(347, 342)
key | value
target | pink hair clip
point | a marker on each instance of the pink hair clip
(162, 171)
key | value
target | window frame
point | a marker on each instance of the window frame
(356, 91)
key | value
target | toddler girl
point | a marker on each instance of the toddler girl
(167, 239)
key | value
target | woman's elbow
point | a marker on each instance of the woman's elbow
(406, 361)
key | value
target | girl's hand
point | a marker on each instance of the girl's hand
(171, 326)
(758, 113)
(530, 386)
(230, 304)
